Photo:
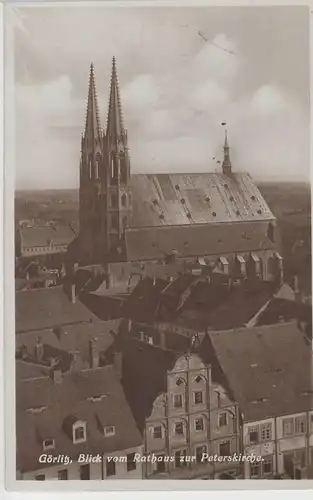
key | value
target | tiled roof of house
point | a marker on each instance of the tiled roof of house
(177, 199)
(72, 398)
(144, 371)
(197, 240)
(268, 369)
(42, 236)
(62, 342)
(46, 308)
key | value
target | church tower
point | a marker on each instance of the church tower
(91, 167)
(117, 173)
(105, 199)
(226, 162)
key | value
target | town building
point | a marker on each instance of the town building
(220, 218)
(62, 420)
(267, 370)
(182, 414)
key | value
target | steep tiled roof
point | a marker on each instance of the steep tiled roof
(197, 240)
(47, 308)
(268, 369)
(71, 399)
(40, 236)
(176, 199)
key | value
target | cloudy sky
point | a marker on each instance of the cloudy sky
(176, 88)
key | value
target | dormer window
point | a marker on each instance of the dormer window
(48, 444)
(79, 432)
(109, 430)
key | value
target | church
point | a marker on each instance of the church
(215, 219)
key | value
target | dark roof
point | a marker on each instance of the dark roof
(197, 240)
(268, 369)
(41, 236)
(71, 398)
(61, 342)
(176, 199)
(144, 375)
(46, 308)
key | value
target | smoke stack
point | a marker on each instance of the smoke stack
(93, 354)
(73, 293)
(39, 349)
(57, 376)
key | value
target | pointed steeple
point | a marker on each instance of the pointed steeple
(92, 126)
(115, 128)
(226, 162)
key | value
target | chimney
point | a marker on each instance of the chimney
(57, 376)
(117, 363)
(39, 349)
(73, 293)
(93, 354)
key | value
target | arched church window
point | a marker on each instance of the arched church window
(90, 166)
(124, 221)
(97, 166)
(124, 200)
(123, 165)
(270, 232)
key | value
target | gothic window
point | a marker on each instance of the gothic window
(90, 166)
(98, 166)
(270, 232)
(124, 200)
(123, 164)
(114, 168)
(124, 222)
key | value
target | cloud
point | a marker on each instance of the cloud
(176, 89)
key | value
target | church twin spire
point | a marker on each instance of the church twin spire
(115, 128)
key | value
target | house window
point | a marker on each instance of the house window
(157, 432)
(178, 401)
(225, 448)
(198, 397)
(40, 477)
(85, 472)
(200, 452)
(199, 425)
(300, 425)
(255, 470)
(110, 468)
(160, 464)
(180, 458)
(62, 475)
(79, 434)
(222, 419)
(288, 427)
(253, 434)
(109, 430)
(179, 428)
(48, 444)
(131, 464)
(266, 432)
(267, 465)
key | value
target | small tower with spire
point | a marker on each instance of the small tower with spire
(226, 162)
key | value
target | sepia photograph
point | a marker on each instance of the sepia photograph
(162, 239)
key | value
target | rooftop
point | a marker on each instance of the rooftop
(43, 407)
(184, 199)
(43, 236)
(268, 369)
